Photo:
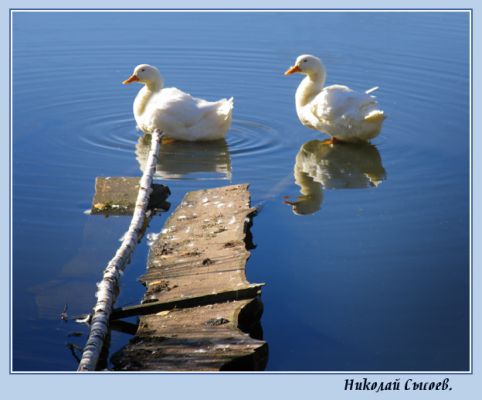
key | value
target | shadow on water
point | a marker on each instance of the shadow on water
(320, 165)
(188, 160)
(73, 283)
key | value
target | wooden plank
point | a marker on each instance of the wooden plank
(157, 306)
(200, 254)
(194, 339)
(117, 195)
(201, 249)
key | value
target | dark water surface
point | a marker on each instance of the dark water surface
(367, 270)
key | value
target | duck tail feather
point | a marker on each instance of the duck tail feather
(226, 107)
(375, 116)
(373, 89)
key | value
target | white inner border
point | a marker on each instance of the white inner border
(266, 10)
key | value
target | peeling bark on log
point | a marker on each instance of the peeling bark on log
(198, 262)
(109, 286)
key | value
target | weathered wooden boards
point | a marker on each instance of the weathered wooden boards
(117, 195)
(200, 254)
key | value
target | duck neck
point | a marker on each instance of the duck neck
(145, 94)
(309, 88)
(155, 85)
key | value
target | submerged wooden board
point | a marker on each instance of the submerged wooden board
(117, 195)
(204, 338)
(201, 253)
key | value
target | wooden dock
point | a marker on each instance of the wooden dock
(199, 312)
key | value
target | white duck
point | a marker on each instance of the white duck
(337, 110)
(178, 115)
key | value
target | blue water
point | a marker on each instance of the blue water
(367, 270)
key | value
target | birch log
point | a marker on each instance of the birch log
(109, 286)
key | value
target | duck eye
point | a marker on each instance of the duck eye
(142, 70)
(305, 60)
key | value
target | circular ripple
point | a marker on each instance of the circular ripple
(252, 139)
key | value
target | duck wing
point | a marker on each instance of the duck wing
(339, 103)
(173, 108)
(182, 116)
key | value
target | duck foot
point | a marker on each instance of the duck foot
(167, 140)
(332, 141)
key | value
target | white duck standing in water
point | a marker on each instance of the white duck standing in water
(178, 115)
(337, 110)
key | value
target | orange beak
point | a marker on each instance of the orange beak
(131, 79)
(292, 70)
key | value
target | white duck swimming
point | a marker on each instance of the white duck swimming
(337, 110)
(178, 115)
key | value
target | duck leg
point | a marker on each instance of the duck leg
(332, 140)
(167, 140)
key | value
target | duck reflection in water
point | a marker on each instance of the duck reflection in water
(188, 160)
(320, 165)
